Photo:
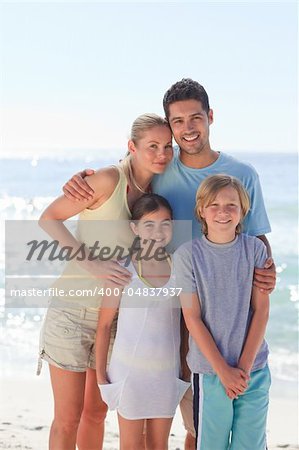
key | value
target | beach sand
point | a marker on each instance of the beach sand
(26, 408)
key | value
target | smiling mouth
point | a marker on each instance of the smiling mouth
(191, 138)
(222, 221)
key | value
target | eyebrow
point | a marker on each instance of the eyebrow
(153, 221)
(191, 115)
(157, 142)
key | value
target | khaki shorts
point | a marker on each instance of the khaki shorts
(67, 338)
(186, 407)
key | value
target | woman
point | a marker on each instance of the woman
(68, 334)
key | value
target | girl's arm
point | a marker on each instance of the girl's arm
(51, 220)
(184, 348)
(257, 329)
(233, 379)
(107, 313)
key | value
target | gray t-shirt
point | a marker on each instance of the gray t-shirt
(222, 276)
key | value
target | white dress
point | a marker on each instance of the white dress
(145, 362)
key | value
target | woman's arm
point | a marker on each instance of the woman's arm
(233, 379)
(51, 220)
(257, 329)
(107, 313)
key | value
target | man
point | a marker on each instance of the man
(187, 109)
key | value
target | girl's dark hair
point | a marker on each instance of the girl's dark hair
(149, 203)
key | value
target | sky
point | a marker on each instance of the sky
(74, 75)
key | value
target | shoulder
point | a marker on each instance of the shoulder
(104, 180)
(186, 250)
(254, 242)
(238, 168)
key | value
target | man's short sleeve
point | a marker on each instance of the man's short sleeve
(260, 254)
(183, 268)
(256, 223)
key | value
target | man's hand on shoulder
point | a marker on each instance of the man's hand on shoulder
(265, 279)
(77, 189)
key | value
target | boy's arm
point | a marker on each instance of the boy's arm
(233, 379)
(256, 331)
(107, 313)
(265, 279)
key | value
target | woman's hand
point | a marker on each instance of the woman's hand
(109, 271)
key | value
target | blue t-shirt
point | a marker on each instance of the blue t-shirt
(179, 184)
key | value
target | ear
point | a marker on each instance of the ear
(201, 213)
(210, 117)
(133, 227)
(131, 147)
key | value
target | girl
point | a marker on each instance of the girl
(68, 334)
(142, 381)
(227, 321)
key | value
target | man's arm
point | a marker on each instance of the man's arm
(265, 279)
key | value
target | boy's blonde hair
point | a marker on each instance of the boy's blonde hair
(209, 188)
(143, 123)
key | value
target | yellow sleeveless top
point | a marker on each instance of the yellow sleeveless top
(106, 226)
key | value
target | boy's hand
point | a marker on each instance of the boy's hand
(265, 279)
(234, 380)
(231, 394)
(245, 366)
(76, 189)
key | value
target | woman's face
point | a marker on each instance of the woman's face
(153, 151)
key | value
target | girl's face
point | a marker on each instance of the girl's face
(153, 151)
(154, 229)
(223, 214)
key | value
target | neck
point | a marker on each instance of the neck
(149, 255)
(143, 178)
(204, 158)
(221, 238)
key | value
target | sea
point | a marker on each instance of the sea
(28, 185)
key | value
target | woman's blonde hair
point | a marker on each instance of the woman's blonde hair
(143, 123)
(208, 191)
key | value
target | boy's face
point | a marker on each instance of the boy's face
(223, 214)
(189, 124)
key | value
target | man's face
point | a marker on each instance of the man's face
(190, 125)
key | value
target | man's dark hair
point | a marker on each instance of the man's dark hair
(186, 89)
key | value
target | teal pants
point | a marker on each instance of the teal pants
(224, 424)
